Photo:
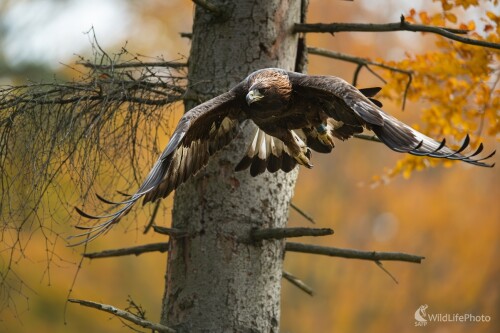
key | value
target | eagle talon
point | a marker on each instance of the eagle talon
(325, 136)
(303, 157)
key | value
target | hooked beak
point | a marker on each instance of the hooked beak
(253, 96)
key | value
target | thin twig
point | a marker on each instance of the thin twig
(134, 64)
(356, 74)
(379, 264)
(135, 250)
(124, 315)
(357, 60)
(153, 217)
(280, 233)
(298, 283)
(188, 35)
(301, 212)
(403, 25)
(353, 254)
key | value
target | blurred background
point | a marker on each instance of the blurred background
(449, 214)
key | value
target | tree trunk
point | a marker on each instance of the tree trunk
(217, 282)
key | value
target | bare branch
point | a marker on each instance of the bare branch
(124, 315)
(353, 254)
(301, 212)
(109, 120)
(298, 283)
(172, 232)
(381, 266)
(153, 217)
(403, 25)
(134, 64)
(188, 35)
(353, 59)
(135, 250)
(280, 233)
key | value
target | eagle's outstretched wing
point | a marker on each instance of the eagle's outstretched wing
(201, 132)
(347, 105)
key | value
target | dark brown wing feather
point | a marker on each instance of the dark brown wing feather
(200, 133)
(347, 104)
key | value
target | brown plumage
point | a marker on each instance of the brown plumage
(294, 113)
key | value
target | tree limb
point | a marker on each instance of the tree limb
(353, 254)
(172, 232)
(134, 64)
(353, 59)
(403, 25)
(124, 315)
(135, 250)
(298, 283)
(280, 233)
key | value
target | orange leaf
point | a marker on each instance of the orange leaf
(491, 15)
(451, 17)
(424, 17)
(488, 27)
(471, 25)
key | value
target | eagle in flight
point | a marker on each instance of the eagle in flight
(294, 114)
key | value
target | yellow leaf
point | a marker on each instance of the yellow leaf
(447, 6)
(437, 20)
(471, 25)
(451, 17)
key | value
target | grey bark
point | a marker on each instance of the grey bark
(215, 282)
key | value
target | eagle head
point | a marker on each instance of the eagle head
(269, 88)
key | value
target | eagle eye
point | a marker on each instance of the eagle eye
(261, 91)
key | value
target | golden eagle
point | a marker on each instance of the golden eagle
(294, 114)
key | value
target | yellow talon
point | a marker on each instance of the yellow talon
(302, 159)
(326, 138)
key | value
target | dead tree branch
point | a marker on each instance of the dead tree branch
(135, 250)
(124, 315)
(353, 254)
(280, 233)
(403, 25)
(134, 64)
(172, 232)
(298, 283)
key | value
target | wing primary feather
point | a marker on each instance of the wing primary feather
(478, 150)
(82, 213)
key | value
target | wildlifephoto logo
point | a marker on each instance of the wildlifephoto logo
(420, 315)
(422, 318)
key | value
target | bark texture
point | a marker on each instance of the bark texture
(217, 282)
